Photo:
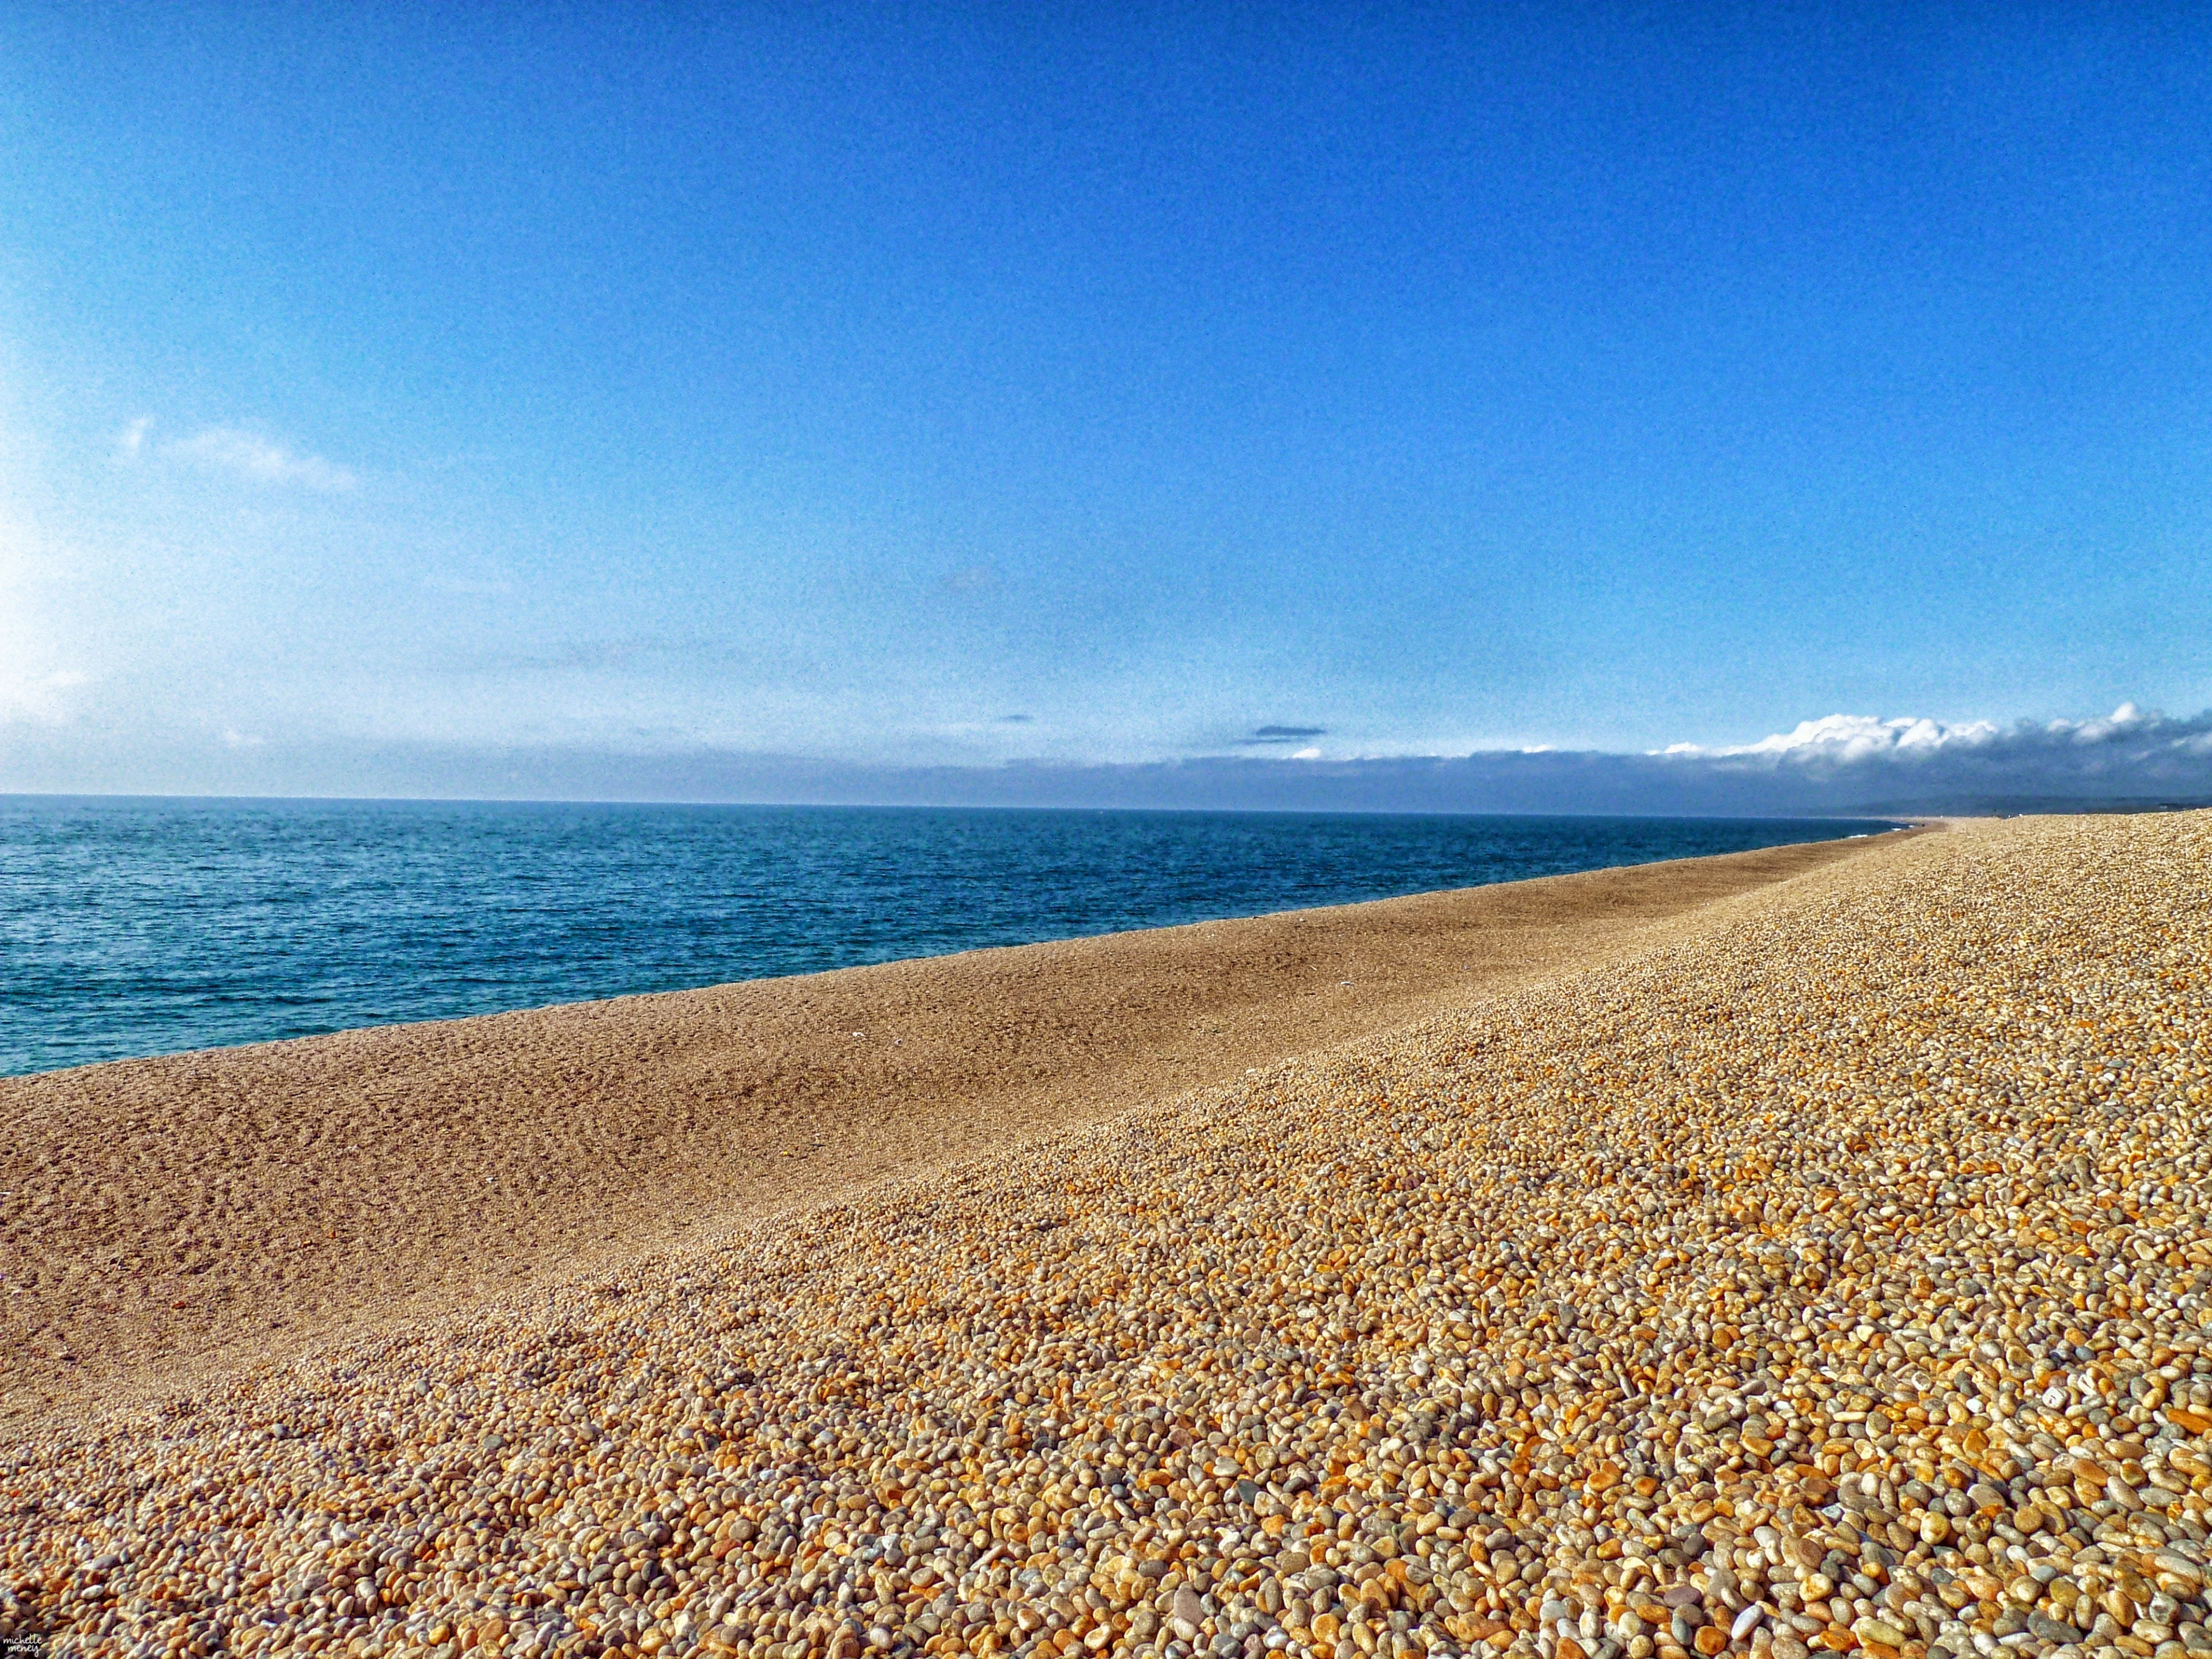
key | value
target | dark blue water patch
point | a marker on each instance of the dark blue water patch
(149, 926)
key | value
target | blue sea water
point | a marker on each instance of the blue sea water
(141, 926)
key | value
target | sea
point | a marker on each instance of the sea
(144, 926)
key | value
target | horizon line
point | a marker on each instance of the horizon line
(1853, 816)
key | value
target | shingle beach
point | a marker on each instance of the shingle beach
(1830, 1275)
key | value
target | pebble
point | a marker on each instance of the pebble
(1836, 1277)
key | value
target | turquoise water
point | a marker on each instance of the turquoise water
(149, 926)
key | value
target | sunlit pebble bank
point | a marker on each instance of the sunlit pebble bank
(1836, 1281)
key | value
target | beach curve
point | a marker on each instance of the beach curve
(166, 1220)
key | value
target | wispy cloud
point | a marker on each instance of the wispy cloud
(37, 699)
(582, 656)
(594, 655)
(243, 454)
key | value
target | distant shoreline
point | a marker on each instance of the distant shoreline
(144, 928)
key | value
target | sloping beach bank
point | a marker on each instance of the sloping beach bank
(1826, 1273)
(166, 1218)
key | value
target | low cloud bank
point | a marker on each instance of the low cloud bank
(2132, 756)
(1842, 765)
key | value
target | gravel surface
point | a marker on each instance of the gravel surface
(1831, 1275)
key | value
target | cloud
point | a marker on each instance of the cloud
(131, 442)
(1843, 738)
(1274, 734)
(2130, 742)
(2132, 754)
(597, 656)
(1843, 767)
(2131, 757)
(249, 455)
(582, 656)
(37, 699)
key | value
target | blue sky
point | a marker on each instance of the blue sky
(664, 390)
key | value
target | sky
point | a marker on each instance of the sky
(1173, 404)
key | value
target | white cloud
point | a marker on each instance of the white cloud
(249, 455)
(2131, 753)
(2125, 721)
(1847, 738)
(37, 699)
(131, 442)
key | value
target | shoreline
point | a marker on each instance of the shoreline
(1821, 1276)
(172, 1220)
(529, 916)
